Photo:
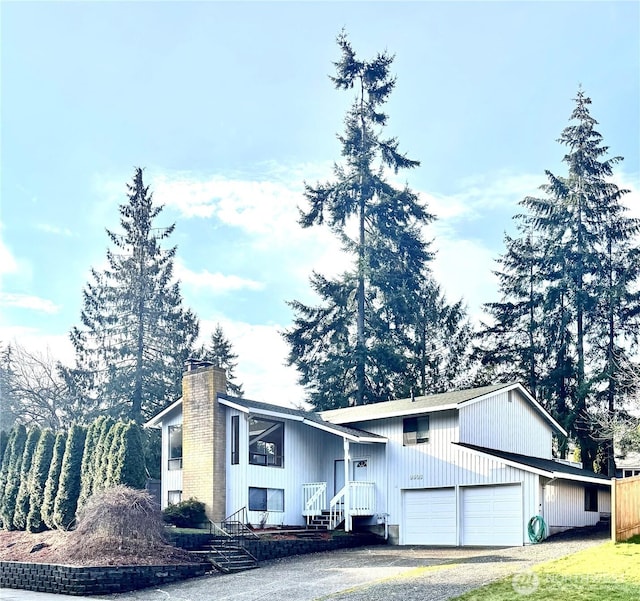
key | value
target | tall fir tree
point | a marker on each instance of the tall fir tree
(135, 334)
(346, 348)
(219, 351)
(570, 284)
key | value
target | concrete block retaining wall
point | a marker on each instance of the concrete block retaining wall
(264, 549)
(70, 580)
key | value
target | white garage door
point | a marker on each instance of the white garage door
(492, 515)
(429, 517)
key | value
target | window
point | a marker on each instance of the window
(415, 430)
(266, 442)
(174, 497)
(266, 499)
(175, 447)
(235, 439)
(590, 498)
(630, 473)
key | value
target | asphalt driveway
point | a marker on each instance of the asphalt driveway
(365, 574)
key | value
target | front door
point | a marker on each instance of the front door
(359, 472)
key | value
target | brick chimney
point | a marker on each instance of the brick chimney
(203, 437)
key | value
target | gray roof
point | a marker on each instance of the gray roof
(309, 416)
(421, 404)
(555, 468)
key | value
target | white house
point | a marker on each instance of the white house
(470, 467)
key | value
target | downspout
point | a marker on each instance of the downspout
(347, 487)
(386, 500)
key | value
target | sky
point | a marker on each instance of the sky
(229, 109)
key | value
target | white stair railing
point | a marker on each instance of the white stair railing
(336, 508)
(362, 498)
(314, 496)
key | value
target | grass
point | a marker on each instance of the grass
(608, 572)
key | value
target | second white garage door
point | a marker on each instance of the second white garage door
(429, 517)
(492, 515)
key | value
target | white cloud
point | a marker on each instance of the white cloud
(8, 264)
(57, 346)
(54, 229)
(27, 301)
(261, 367)
(215, 283)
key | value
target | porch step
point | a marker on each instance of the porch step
(227, 557)
(322, 521)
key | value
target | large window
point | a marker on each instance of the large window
(266, 442)
(415, 430)
(175, 447)
(235, 439)
(266, 499)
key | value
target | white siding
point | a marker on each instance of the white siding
(309, 456)
(439, 463)
(506, 421)
(169, 479)
(564, 506)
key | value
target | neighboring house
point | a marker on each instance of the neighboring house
(628, 466)
(462, 468)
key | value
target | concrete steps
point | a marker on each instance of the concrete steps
(226, 556)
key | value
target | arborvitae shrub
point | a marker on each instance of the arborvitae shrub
(22, 500)
(102, 462)
(130, 470)
(13, 478)
(4, 468)
(64, 509)
(53, 480)
(113, 455)
(86, 470)
(38, 480)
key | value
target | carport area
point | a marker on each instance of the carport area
(362, 574)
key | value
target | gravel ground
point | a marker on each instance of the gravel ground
(376, 573)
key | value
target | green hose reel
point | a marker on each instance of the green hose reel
(537, 529)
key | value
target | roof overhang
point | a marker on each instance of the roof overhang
(156, 420)
(551, 474)
(324, 426)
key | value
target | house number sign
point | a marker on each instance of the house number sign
(416, 477)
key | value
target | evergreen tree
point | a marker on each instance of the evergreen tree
(24, 491)
(4, 466)
(570, 302)
(53, 480)
(111, 464)
(101, 454)
(4, 440)
(38, 479)
(219, 351)
(65, 505)
(129, 466)
(344, 348)
(88, 456)
(135, 334)
(12, 485)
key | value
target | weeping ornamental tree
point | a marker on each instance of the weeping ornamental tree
(135, 334)
(569, 288)
(349, 348)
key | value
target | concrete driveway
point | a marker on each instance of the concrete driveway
(365, 574)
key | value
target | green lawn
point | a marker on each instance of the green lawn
(607, 572)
